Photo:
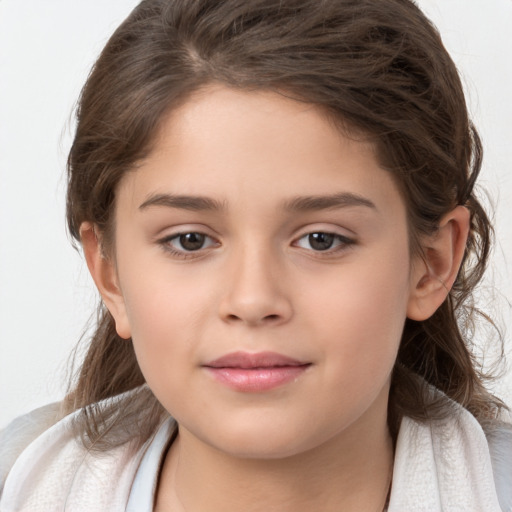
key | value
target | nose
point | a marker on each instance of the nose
(254, 290)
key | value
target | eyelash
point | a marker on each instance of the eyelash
(343, 243)
(166, 244)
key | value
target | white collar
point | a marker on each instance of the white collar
(142, 494)
(440, 466)
(443, 465)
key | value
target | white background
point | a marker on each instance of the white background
(46, 50)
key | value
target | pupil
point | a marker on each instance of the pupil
(321, 241)
(192, 241)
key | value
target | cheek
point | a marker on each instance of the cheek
(361, 316)
(165, 316)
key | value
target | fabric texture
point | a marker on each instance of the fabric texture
(21, 432)
(142, 493)
(440, 466)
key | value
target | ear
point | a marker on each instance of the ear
(433, 274)
(103, 272)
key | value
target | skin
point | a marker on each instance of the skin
(258, 284)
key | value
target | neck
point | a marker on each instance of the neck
(350, 472)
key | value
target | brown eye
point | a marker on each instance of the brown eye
(320, 241)
(183, 243)
(189, 244)
(191, 241)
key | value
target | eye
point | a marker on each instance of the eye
(321, 241)
(187, 242)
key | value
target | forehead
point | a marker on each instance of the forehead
(235, 145)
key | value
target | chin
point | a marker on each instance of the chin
(265, 440)
(261, 448)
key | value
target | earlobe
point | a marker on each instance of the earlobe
(433, 274)
(104, 275)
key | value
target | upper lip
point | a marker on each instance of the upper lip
(247, 360)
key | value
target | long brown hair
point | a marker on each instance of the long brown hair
(378, 66)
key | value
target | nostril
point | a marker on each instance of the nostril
(267, 318)
(263, 309)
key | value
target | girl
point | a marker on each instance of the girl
(275, 200)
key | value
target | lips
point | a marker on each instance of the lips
(247, 360)
(248, 372)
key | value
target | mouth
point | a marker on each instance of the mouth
(263, 371)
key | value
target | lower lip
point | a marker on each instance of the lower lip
(257, 379)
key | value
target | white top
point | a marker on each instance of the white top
(142, 494)
(440, 466)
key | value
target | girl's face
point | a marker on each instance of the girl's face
(264, 275)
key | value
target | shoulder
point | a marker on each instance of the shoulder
(55, 470)
(486, 444)
(499, 438)
(453, 463)
(21, 432)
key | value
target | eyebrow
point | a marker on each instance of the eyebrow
(184, 202)
(296, 204)
(328, 202)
